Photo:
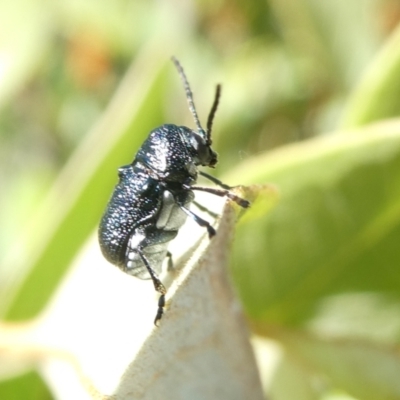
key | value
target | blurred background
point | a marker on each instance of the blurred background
(82, 84)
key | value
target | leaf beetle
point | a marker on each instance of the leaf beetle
(152, 198)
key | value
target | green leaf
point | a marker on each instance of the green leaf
(301, 382)
(364, 370)
(376, 96)
(28, 386)
(335, 229)
(24, 39)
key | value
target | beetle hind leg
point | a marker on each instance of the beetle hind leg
(205, 209)
(158, 286)
(170, 261)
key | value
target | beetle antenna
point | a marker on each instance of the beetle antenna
(189, 94)
(211, 116)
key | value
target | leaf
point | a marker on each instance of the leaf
(28, 386)
(364, 370)
(208, 353)
(376, 95)
(334, 230)
(24, 38)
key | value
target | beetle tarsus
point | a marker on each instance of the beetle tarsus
(160, 311)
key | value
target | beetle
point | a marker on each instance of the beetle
(152, 198)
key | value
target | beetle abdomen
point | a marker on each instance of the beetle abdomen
(135, 201)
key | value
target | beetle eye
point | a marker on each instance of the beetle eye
(204, 154)
(196, 142)
(199, 145)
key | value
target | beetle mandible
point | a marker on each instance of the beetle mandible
(152, 198)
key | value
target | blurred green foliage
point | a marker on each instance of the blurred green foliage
(26, 386)
(81, 85)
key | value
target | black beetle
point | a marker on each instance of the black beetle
(152, 198)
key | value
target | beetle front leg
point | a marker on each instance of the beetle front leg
(223, 193)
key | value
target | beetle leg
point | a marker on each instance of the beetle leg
(200, 221)
(157, 285)
(215, 180)
(205, 209)
(224, 193)
(160, 310)
(170, 262)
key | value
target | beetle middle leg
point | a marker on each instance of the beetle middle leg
(157, 285)
(205, 209)
(202, 222)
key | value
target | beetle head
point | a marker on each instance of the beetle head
(200, 141)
